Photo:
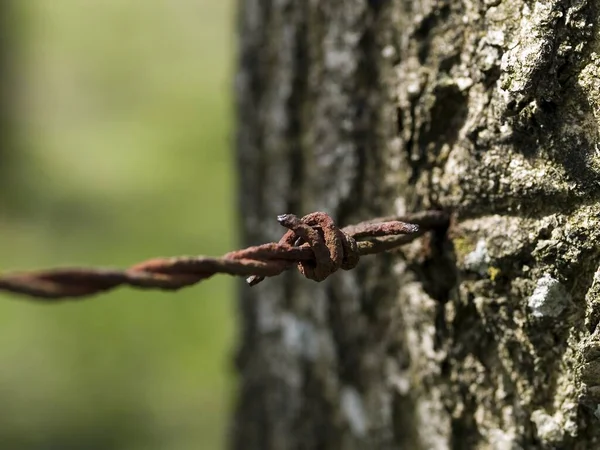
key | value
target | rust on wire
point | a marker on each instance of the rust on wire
(313, 243)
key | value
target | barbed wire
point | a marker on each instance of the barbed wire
(314, 243)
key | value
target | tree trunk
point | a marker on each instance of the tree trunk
(7, 47)
(482, 336)
(9, 110)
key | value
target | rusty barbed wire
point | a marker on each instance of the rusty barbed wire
(314, 243)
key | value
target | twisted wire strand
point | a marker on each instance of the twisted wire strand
(314, 243)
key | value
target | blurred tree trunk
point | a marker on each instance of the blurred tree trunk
(8, 47)
(484, 336)
(5, 53)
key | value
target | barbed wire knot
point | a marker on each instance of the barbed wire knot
(313, 243)
(333, 249)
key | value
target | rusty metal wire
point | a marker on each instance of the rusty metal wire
(313, 243)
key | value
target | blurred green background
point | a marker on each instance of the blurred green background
(116, 148)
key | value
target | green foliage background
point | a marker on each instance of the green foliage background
(122, 152)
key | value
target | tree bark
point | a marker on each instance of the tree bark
(481, 336)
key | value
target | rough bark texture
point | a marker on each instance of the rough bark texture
(484, 335)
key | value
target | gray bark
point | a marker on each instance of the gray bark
(481, 336)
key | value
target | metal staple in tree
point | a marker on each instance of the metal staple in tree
(313, 243)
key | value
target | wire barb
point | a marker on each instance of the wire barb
(314, 243)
